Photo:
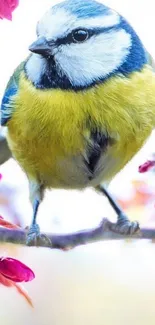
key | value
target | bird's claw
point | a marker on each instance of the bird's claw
(35, 238)
(124, 226)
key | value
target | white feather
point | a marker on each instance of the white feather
(60, 23)
(95, 58)
(35, 67)
(100, 22)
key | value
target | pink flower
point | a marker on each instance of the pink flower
(7, 7)
(12, 271)
(15, 270)
(146, 166)
(11, 268)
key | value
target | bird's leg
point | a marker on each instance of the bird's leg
(34, 237)
(123, 225)
(34, 230)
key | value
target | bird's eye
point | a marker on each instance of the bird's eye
(80, 35)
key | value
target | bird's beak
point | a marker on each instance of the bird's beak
(40, 46)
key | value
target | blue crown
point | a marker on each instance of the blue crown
(84, 8)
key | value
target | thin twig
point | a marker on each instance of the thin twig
(66, 241)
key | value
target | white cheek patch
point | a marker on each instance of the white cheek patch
(35, 67)
(96, 58)
(60, 23)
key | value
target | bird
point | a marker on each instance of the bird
(81, 105)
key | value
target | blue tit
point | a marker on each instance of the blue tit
(82, 104)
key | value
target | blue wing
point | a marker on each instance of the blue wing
(6, 106)
(7, 100)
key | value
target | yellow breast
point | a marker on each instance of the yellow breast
(50, 125)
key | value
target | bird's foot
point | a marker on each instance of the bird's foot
(124, 226)
(35, 238)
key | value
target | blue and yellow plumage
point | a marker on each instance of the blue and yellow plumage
(80, 107)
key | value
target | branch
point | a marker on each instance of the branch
(67, 241)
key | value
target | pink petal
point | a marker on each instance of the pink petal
(8, 224)
(5, 10)
(0, 176)
(15, 270)
(7, 7)
(13, 4)
(6, 282)
(146, 166)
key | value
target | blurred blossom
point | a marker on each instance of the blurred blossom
(149, 164)
(15, 270)
(7, 224)
(7, 7)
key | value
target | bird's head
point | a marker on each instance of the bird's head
(81, 43)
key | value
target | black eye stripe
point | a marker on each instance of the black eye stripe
(92, 32)
(69, 38)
